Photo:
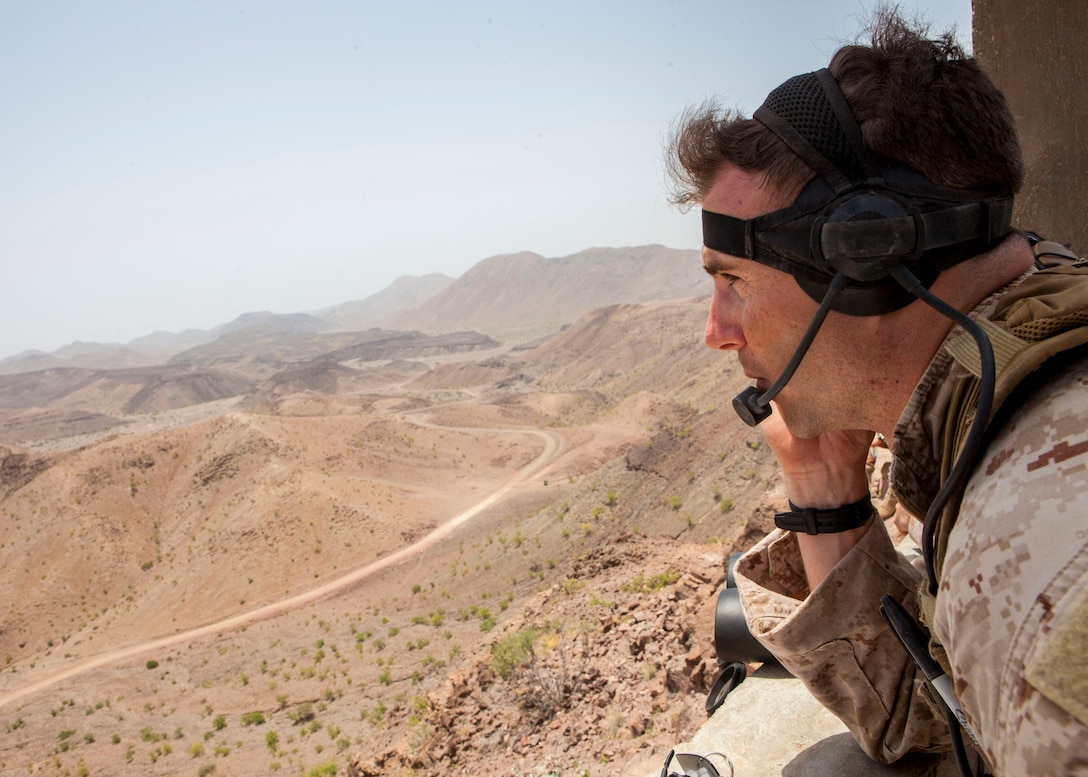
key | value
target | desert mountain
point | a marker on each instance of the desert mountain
(525, 288)
(62, 403)
(165, 344)
(293, 323)
(155, 348)
(81, 355)
(405, 293)
(522, 295)
(275, 347)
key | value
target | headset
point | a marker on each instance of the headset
(867, 236)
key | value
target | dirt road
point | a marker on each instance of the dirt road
(552, 446)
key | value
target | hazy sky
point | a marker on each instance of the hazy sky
(170, 165)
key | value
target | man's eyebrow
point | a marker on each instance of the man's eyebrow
(718, 263)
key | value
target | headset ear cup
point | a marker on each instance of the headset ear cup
(866, 236)
(872, 299)
(866, 269)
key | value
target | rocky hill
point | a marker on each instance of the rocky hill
(276, 348)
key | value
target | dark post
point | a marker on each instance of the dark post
(1035, 50)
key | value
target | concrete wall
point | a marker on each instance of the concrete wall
(1037, 53)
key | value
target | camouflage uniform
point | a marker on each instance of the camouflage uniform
(1012, 610)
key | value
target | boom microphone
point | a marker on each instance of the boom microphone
(754, 408)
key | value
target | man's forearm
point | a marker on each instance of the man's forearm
(820, 553)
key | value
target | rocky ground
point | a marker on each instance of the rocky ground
(598, 675)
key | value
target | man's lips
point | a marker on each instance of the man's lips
(760, 383)
(753, 375)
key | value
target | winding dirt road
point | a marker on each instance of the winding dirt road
(552, 446)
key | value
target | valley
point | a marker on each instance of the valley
(302, 577)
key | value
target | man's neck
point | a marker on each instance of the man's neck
(964, 286)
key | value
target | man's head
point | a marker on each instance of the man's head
(904, 118)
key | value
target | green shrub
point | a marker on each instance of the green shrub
(324, 770)
(512, 651)
(660, 581)
(641, 584)
(301, 713)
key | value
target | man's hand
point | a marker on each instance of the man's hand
(823, 472)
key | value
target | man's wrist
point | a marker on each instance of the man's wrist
(811, 520)
(826, 490)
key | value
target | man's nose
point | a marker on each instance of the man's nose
(723, 331)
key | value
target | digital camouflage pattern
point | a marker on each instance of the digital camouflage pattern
(1011, 610)
(1013, 584)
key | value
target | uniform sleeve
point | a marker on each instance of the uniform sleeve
(836, 642)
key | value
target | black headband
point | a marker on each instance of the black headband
(862, 215)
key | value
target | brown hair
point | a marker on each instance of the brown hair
(919, 100)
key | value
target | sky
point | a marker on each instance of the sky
(167, 165)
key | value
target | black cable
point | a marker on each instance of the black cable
(971, 445)
(964, 461)
(818, 317)
(755, 408)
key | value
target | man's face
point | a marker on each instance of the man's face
(761, 313)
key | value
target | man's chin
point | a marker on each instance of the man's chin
(809, 426)
(804, 426)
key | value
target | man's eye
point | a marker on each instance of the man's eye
(729, 278)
